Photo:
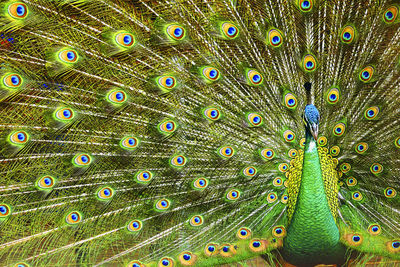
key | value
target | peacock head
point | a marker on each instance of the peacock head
(311, 119)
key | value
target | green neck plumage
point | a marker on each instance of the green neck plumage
(312, 235)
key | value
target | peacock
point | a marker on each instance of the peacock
(199, 132)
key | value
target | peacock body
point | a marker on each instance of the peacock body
(199, 133)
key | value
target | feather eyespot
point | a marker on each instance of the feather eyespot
(374, 229)
(361, 147)
(397, 142)
(390, 14)
(366, 74)
(116, 97)
(290, 101)
(355, 239)
(243, 233)
(129, 142)
(376, 168)
(292, 153)
(347, 35)
(351, 181)
(309, 63)
(162, 204)
(166, 262)
(5, 211)
(18, 138)
(278, 181)
(167, 127)
(272, 197)
(46, 182)
(176, 32)
(233, 194)
(322, 141)
(68, 56)
(302, 142)
(333, 96)
(200, 183)
(345, 167)
(371, 113)
(279, 231)
(134, 226)
(390, 192)
(357, 196)
(12, 80)
(105, 193)
(257, 245)
(125, 39)
(305, 5)
(289, 136)
(82, 160)
(393, 246)
(249, 171)
(267, 153)
(339, 129)
(178, 161)
(254, 119)
(229, 30)
(210, 73)
(18, 10)
(211, 249)
(283, 167)
(73, 217)
(196, 220)
(212, 114)
(187, 258)
(21, 264)
(335, 150)
(254, 77)
(284, 198)
(135, 264)
(166, 82)
(275, 38)
(227, 250)
(144, 176)
(226, 151)
(64, 114)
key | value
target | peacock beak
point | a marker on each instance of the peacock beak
(314, 130)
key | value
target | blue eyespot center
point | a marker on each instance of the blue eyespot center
(231, 30)
(119, 96)
(3, 209)
(70, 55)
(234, 194)
(278, 231)
(356, 238)
(276, 39)
(310, 64)
(127, 39)
(164, 203)
(347, 35)
(243, 232)
(211, 248)
(165, 262)
(213, 73)
(179, 160)
(256, 244)
(375, 229)
(228, 151)
(84, 159)
(396, 244)
(74, 217)
(332, 97)
(20, 10)
(291, 101)
(168, 81)
(14, 80)
(145, 175)
(47, 181)
(225, 249)
(135, 265)
(186, 257)
(290, 136)
(21, 137)
(389, 15)
(306, 4)
(256, 78)
(178, 32)
(365, 74)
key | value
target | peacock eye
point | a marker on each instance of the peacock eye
(166, 261)
(124, 39)
(305, 5)
(212, 114)
(211, 74)
(254, 119)
(229, 30)
(166, 82)
(175, 32)
(339, 129)
(361, 147)
(45, 182)
(134, 226)
(68, 56)
(81, 160)
(18, 138)
(351, 181)
(12, 80)
(322, 141)
(254, 77)
(243, 233)
(390, 14)
(129, 142)
(376, 168)
(162, 204)
(116, 97)
(290, 101)
(279, 231)
(289, 136)
(371, 113)
(5, 211)
(233, 194)
(347, 34)
(366, 74)
(196, 220)
(226, 151)
(178, 161)
(292, 153)
(357, 196)
(135, 264)
(333, 95)
(272, 197)
(309, 63)
(167, 127)
(249, 171)
(374, 229)
(278, 181)
(105, 193)
(275, 38)
(73, 217)
(390, 192)
(18, 10)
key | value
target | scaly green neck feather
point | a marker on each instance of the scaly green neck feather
(312, 236)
